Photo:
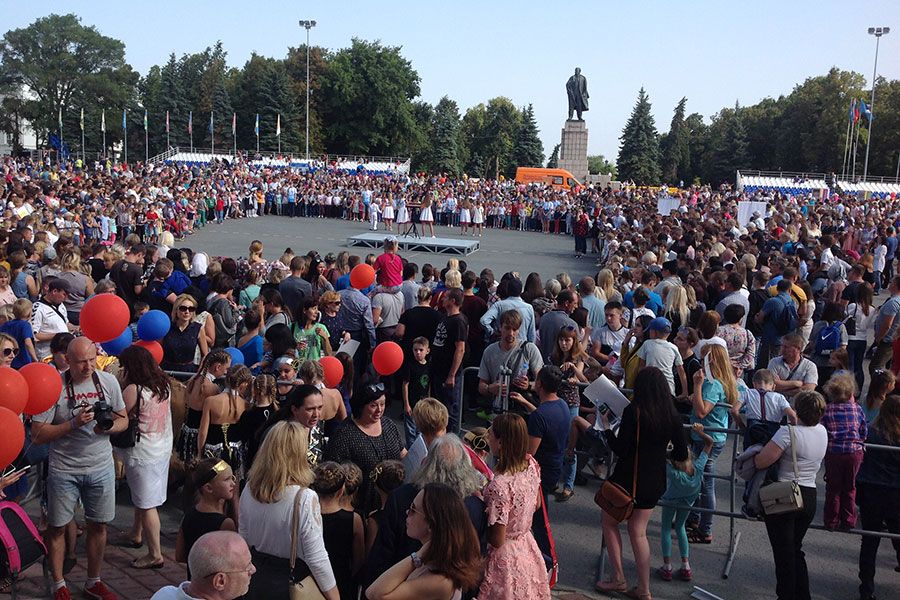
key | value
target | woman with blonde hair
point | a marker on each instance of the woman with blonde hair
(81, 286)
(606, 284)
(184, 337)
(278, 482)
(676, 309)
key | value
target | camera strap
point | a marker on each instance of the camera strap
(70, 388)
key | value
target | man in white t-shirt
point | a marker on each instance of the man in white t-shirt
(220, 566)
(658, 352)
(49, 317)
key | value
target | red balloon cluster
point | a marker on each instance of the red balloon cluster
(104, 317)
(362, 276)
(387, 358)
(155, 348)
(334, 370)
(32, 390)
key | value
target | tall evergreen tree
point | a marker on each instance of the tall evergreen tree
(277, 99)
(553, 161)
(728, 146)
(639, 152)
(676, 151)
(528, 151)
(445, 128)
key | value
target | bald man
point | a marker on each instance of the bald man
(220, 566)
(81, 462)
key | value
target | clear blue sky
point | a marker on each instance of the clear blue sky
(713, 52)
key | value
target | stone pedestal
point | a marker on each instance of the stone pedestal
(573, 149)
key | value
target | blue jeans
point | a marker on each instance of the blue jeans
(570, 463)
(220, 216)
(409, 428)
(450, 398)
(96, 490)
(707, 497)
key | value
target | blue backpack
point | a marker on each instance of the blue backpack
(788, 320)
(829, 338)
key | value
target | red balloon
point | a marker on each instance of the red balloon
(13, 439)
(104, 317)
(153, 347)
(13, 390)
(387, 358)
(44, 387)
(334, 370)
(362, 276)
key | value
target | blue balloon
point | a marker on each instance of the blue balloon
(237, 357)
(114, 347)
(153, 326)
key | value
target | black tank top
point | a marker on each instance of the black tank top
(337, 531)
(193, 418)
(196, 523)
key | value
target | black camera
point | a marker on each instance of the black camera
(103, 415)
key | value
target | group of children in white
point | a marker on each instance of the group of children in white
(399, 211)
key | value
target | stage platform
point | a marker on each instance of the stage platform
(438, 245)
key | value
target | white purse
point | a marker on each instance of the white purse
(783, 496)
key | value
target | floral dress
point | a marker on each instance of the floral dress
(514, 571)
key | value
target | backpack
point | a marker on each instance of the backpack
(829, 339)
(788, 320)
(20, 543)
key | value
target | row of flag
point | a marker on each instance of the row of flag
(860, 108)
(190, 124)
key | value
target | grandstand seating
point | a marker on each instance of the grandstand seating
(384, 166)
(801, 186)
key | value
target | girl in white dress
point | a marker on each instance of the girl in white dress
(426, 217)
(402, 213)
(464, 217)
(388, 213)
(477, 219)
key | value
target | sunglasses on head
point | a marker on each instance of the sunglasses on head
(375, 388)
(10, 352)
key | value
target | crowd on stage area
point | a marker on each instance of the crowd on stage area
(769, 327)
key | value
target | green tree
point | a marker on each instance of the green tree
(762, 121)
(445, 127)
(675, 148)
(249, 100)
(598, 165)
(698, 140)
(502, 122)
(278, 101)
(473, 140)
(528, 151)
(318, 70)
(883, 155)
(727, 151)
(553, 161)
(367, 103)
(56, 63)
(421, 151)
(639, 152)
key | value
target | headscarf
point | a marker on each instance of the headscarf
(199, 264)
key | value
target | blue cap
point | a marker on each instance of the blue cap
(660, 324)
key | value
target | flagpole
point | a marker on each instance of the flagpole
(847, 142)
(856, 148)
(60, 157)
(83, 156)
(234, 131)
(168, 145)
(146, 140)
(103, 128)
(191, 128)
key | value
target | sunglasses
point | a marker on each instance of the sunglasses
(375, 388)
(10, 352)
(184, 308)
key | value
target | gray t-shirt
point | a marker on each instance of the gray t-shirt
(293, 290)
(890, 309)
(410, 291)
(391, 306)
(495, 357)
(663, 355)
(805, 372)
(82, 450)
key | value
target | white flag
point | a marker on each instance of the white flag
(278, 127)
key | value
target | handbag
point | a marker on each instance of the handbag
(783, 496)
(306, 588)
(553, 573)
(132, 434)
(612, 498)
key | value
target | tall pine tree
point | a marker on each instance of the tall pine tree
(553, 161)
(445, 126)
(528, 151)
(676, 150)
(639, 151)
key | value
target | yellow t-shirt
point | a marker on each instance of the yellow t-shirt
(797, 293)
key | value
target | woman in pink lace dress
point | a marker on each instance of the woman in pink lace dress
(515, 568)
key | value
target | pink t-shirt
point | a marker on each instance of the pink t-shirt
(390, 270)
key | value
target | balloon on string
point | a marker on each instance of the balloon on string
(44, 386)
(237, 357)
(387, 358)
(13, 439)
(13, 390)
(362, 276)
(153, 325)
(114, 347)
(334, 370)
(104, 317)
(153, 347)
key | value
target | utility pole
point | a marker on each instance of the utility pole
(307, 25)
(877, 32)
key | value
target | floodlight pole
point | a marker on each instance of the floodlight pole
(877, 32)
(307, 25)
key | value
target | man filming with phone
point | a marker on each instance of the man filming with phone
(77, 427)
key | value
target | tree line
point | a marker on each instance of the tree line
(364, 100)
(804, 131)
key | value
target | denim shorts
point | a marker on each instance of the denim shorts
(96, 490)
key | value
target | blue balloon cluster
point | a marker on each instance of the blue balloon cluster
(237, 357)
(153, 326)
(115, 346)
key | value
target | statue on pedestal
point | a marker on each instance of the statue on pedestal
(576, 88)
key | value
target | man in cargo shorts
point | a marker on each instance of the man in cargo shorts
(81, 462)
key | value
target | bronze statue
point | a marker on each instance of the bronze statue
(576, 88)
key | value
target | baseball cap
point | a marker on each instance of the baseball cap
(660, 324)
(49, 253)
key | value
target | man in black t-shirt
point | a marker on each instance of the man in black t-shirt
(418, 321)
(447, 353)
(128, 274)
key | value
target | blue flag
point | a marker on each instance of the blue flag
(210, 123)
(865, 110)
(256, 127)
(124, 119)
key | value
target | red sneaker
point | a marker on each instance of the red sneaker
(62, 594)
(99, 591)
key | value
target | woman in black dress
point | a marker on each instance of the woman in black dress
(649, 423)
(342, 529)
(184, 337)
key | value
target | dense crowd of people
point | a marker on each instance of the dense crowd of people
(704, 323)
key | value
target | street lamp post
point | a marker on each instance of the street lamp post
(307, 25)
(877, 32)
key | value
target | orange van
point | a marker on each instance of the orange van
(558, 178)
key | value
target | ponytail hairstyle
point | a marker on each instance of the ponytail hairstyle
(237, 376)
(722, 371)
(215, 357)
(264, 389)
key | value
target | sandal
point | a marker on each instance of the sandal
(137, 564)
(611, 586)
(564, 495)
(664, 574)
(633, 593)
(685, 574)
(696, 537)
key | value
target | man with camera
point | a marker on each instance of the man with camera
(77, 427)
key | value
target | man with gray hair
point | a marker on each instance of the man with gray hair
(221, 569)
(447, 462)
